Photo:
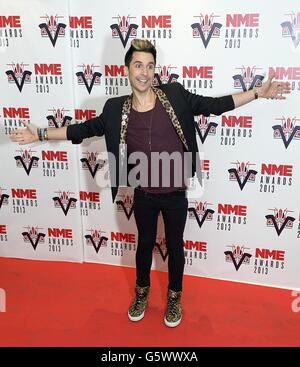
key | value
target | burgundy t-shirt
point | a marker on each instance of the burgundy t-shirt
(163, 139)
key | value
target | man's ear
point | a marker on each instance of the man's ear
(126, 70)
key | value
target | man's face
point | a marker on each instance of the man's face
(141, 71)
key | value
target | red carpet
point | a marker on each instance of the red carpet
(69, 304)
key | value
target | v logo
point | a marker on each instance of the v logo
(98, 245)
(237, 266)
(59, 27)
(296, 40)
(209, 127)
(239, 78)
(242, 184)
(34, 244)
(213, 27)
(27, 170)
(124, 41)
(65, 120)
(288, 141)
(128, 214)
(3, 196)
(279, 230)
(193, 210)
(82, 76)
(92, 172)
(161, 253)
(12, 75)
(71, 200)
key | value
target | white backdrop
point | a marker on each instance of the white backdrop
(60, 61)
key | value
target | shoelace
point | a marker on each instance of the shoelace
(172, 309)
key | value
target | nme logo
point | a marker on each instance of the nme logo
(45, 69)
(16, 112)
(290, 73)
(3, 229)
(234, 121)
(11, 21)
(50, 155)
(83, 115)
(228, 209)
(195, 245)
(240, 20)
(270, 254)
(123, 237)
(80, 22)
(274, 169)
(23, 193)
(114, 70)
(60, 232)
(160, 21)
(206, 29)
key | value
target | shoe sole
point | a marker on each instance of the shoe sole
(136, 318)
(172, 324)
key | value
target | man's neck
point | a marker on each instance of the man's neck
(143, 101)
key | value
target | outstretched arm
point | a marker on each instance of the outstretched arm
(269, 89)
(30, 134)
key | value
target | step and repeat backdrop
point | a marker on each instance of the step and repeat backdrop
(61, 60)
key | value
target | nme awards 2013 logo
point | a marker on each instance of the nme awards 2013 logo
(26, 160)
(206, 29)
(242, 173)
(200, 212)
(33, 236)
(58, 118)
(10, 27)
(164, 75)
(124, 29)
(237, 256)
(288, 130)
(64, 201)
(88, 76)
(52, 28)
(205, 126)
(96, 238)
(248, 78)
(125, 205)
(291, 28)
(91, 163)
(18, 75)
(89, 201)
(3, 197)
(280, 220)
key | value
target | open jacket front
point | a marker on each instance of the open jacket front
(180, 104)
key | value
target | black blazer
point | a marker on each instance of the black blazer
(185, 104)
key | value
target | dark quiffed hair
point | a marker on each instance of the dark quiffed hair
(141, 45)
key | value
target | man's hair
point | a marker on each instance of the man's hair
(141, 45)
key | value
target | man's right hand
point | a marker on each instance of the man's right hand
(24, 136)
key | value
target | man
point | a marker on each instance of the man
(153, 120)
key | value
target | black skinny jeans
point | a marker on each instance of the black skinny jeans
(174, 211)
